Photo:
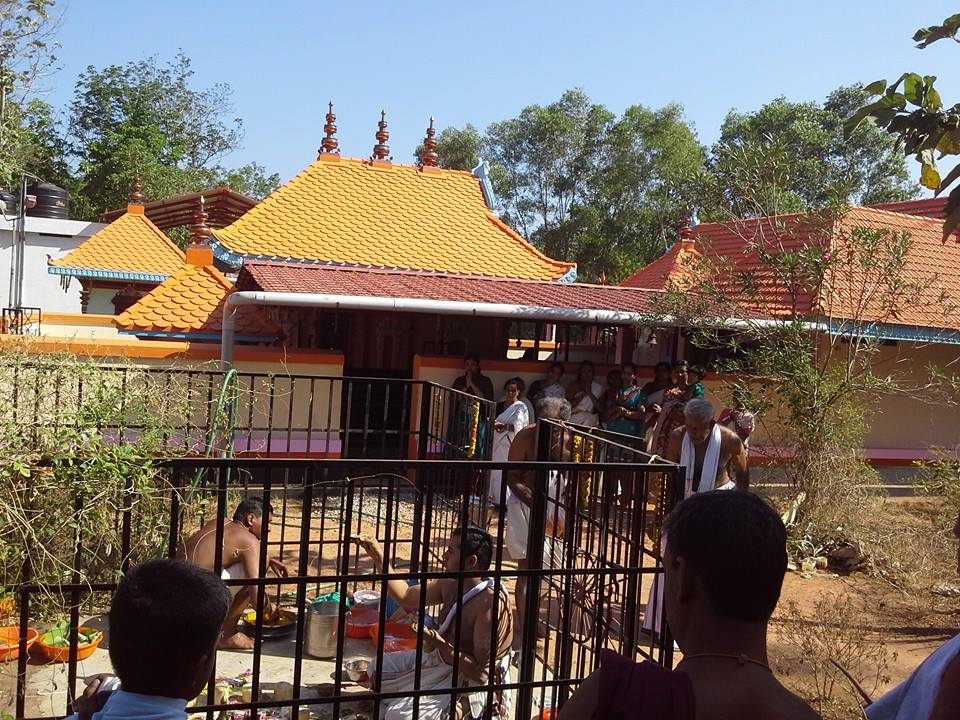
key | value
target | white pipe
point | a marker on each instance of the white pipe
(452, 307)
(389, 304)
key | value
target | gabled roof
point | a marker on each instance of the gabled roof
(675, 268)
(931, 270)
(222, 206)
(190, 304)
(129, 248)
(362, 282)
(376, 214)
(926, 207)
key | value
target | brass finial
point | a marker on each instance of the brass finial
(685, 233)
(199, 232)
(429, 157)
(380, 150)
(135, 195)
(329, 143)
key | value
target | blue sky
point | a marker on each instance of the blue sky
(480, 62)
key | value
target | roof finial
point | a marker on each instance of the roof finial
(380, 150)
(685, 233)
(136, 196)
(429, 157)
(329, 143)
(199, 232)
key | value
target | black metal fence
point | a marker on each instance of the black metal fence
(20, 320)
(249, 414)
(589, 563)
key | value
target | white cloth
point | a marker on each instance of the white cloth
(518, 517)
(582, 413)
(398, 673)
(913, 699)
(711, 462)
(234, 572)
(517, 416)
(123, 705)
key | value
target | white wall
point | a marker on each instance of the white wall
(44, 236)
(100, 301)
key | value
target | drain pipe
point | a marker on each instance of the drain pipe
(388, 304)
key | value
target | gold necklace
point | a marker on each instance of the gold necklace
(741, 659)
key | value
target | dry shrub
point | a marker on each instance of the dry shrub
(833, 634)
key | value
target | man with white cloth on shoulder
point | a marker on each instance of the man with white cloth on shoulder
(706, 449)
(474, 608)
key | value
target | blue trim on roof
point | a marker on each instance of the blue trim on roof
(106, 274)
(569, 276)
(889, 331)
(196, 336)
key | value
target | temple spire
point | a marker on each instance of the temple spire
(429, 157)
(199, 232)
(136, 197)
(686, 235)
(380, 150)
(329, 143)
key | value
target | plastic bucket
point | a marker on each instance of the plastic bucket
(323, 624)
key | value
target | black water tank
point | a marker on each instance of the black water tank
(52, 201)
(8, 203)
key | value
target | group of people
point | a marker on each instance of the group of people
(167, 618)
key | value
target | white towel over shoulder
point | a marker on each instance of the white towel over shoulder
(711, 463)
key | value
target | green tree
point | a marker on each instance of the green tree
(145, 117)
(585, 185)
(27, 47)
(824, 165)
(912, 111)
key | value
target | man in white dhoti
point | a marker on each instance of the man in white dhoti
(512, 417)
(706, 450)
(471, 607)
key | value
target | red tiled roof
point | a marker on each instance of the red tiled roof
(732, 250)
(303, 278)
(926, 207)
(675, 268)
(221, 204)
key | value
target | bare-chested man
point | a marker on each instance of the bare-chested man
(524, 449)
(239, 557)
(470, 602)
(701, 441)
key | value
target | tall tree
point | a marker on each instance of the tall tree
(863, 168)
(145, 117)
(27, 47)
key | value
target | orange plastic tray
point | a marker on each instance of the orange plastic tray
(10, 641)
(399, 637)
(62, 654)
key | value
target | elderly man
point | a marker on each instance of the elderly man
(239, 558)
(707, 449)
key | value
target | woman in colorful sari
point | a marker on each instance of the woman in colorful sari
(512, 417)
(670, 413)
(626, 417)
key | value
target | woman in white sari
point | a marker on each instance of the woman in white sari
(512, 417)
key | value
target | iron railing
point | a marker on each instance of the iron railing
(589, 576)
(21, 321)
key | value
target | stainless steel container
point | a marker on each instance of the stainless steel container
(323, 624)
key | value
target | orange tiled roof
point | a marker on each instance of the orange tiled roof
(931, 270)
(129, 248)
(675, 268)
(353, 212)
(190, 302)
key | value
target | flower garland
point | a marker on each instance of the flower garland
(475, 428)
